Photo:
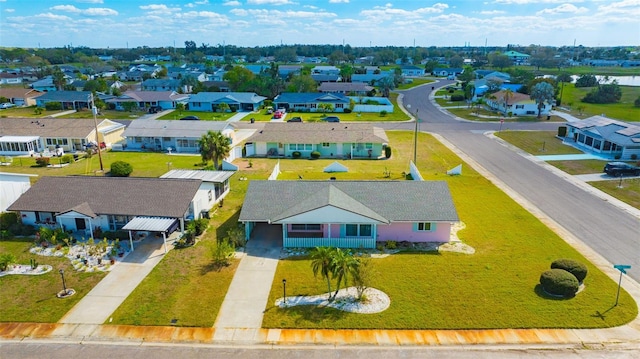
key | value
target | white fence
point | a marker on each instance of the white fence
(415, 174)
(275, 172)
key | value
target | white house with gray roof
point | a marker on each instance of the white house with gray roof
(237, 101)
(605, 136)
(348, 214)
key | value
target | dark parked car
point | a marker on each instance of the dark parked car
(190, 118)
(154, 109)
(331, 119)
(617, 169)
(295, 119)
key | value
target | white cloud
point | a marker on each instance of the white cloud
(231, 3)
(492, 12)
(91, 1)
(389, 12)
(157, 9)
(522, 2)
(269, 2)
(100, 11)
(54, 17)
(338, 1)
(68, 8)
(291, 14)
(563, 9)
(620, 7)
(9, 10)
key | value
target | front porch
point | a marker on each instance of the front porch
(321, 235)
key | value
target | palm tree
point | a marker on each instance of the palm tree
(508, 95)
(343, 264)
(214, 146)
(321, 262)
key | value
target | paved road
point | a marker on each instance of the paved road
(612, 232)
(53, 350)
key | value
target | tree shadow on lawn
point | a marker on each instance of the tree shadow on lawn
(304, 314)
(544, 295)
(231, 222)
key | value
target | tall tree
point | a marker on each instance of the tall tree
(508, 95)
(542, 92)
(499, 60)
(58, 78)
(214, 146)
(239, 78)
(343, 265)
(321, 263)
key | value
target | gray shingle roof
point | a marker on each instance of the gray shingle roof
(319, 132)
(110, 195)
(53, 127)
(619, 132)
(162, 128)
(385, 201)
(227, 97)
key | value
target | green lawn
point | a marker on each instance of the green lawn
(32, 298)
(580, 167)
(25, 112)
(110, 114)
(202, 115)
(537, 142)
(629, 193)
(472, 114)
(623, 110)
(495, 288)
(415, 82)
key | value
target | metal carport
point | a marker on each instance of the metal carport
(150, 224)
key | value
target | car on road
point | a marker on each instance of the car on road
(618, 169)
(190, 118)
(295, 119)
(331, 119)
(6, 105)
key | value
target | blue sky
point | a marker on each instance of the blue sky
(132, 23)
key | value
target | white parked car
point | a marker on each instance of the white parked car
(6, 105)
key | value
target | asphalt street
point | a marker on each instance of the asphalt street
(609, 230)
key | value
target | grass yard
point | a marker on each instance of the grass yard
(25, 112)
(581, 167)
(623, 110)
(472, 114)
(110, 114)
(495, 288)
(202, 115)
(415, 82)
(145, 164)
(629, 193)
(32, 298)
(533, 142)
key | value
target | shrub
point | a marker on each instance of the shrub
(383, 113)
(67, 159)
(315, 155)
(387, 152)
(347, 110)
(617, 157)
(236, 236)
(201, 225)
(559, 282)
(8, 219)
(113, 235)
(457, 97)
(6, 259)
(53, 106)
(42, 161)
(576, 268)
(222, 253)
(296, 154)
(121, 169)
(634, 156)
(636, 103)
(391, 244)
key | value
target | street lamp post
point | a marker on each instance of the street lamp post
(64, 285)
(284, 290)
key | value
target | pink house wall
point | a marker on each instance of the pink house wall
(404, 232)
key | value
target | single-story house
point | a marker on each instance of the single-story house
(161, 85)
(332, 140)
(44, 85)
(70, 100)
(168, 135)
(237, 101)
(144, 99)
(447, 71)
(348, 214)
(20, 96)
(12, 186)
(412, 70)
(82, 204)
(617, 139)
(356, 88)
(26, 136)
(518, 104)
(372, 77)
(217, 86)
(311, 101)
(214, 183)
(7, 78)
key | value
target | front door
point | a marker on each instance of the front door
(81, 224)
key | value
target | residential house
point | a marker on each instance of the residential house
(518, 58)
(331, 140)
(517, 104)
(372, 76)
(237, 101)
(215, 185)
(44, 85)
(12, 186)
(347, 88)
(325, 74)
(26, 136)
(605, 136)
(84, 204)
(348, 214)
(161, 85)
(145, 99)
(20, 96)
(7, 78)
(173, 136)
(220, 86)
(310, 101)
(412, 70)
(447, 71)
(70, 100)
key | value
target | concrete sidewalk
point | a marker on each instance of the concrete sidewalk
(115, 287)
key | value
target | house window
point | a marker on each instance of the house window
(425, 227)
(519, 106)
(308, 147)
(358, 230)
(305, 227)
(292, 147)
(166, 139)
(325, 144)
(339, 105)
(210, 194)
(368, 146)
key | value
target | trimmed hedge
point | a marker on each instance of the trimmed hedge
(457, 97)
(559, 282)
(315, 155)
(576, 268)
(296, 154)
(121, 169)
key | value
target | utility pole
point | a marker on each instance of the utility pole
(94, 110)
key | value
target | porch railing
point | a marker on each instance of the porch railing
(341, 242)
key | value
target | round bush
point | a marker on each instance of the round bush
(315, 154)
(121, 169)
(559, 282)
(296, 154)
(387, 152)
(457, 97)
(578, 269)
